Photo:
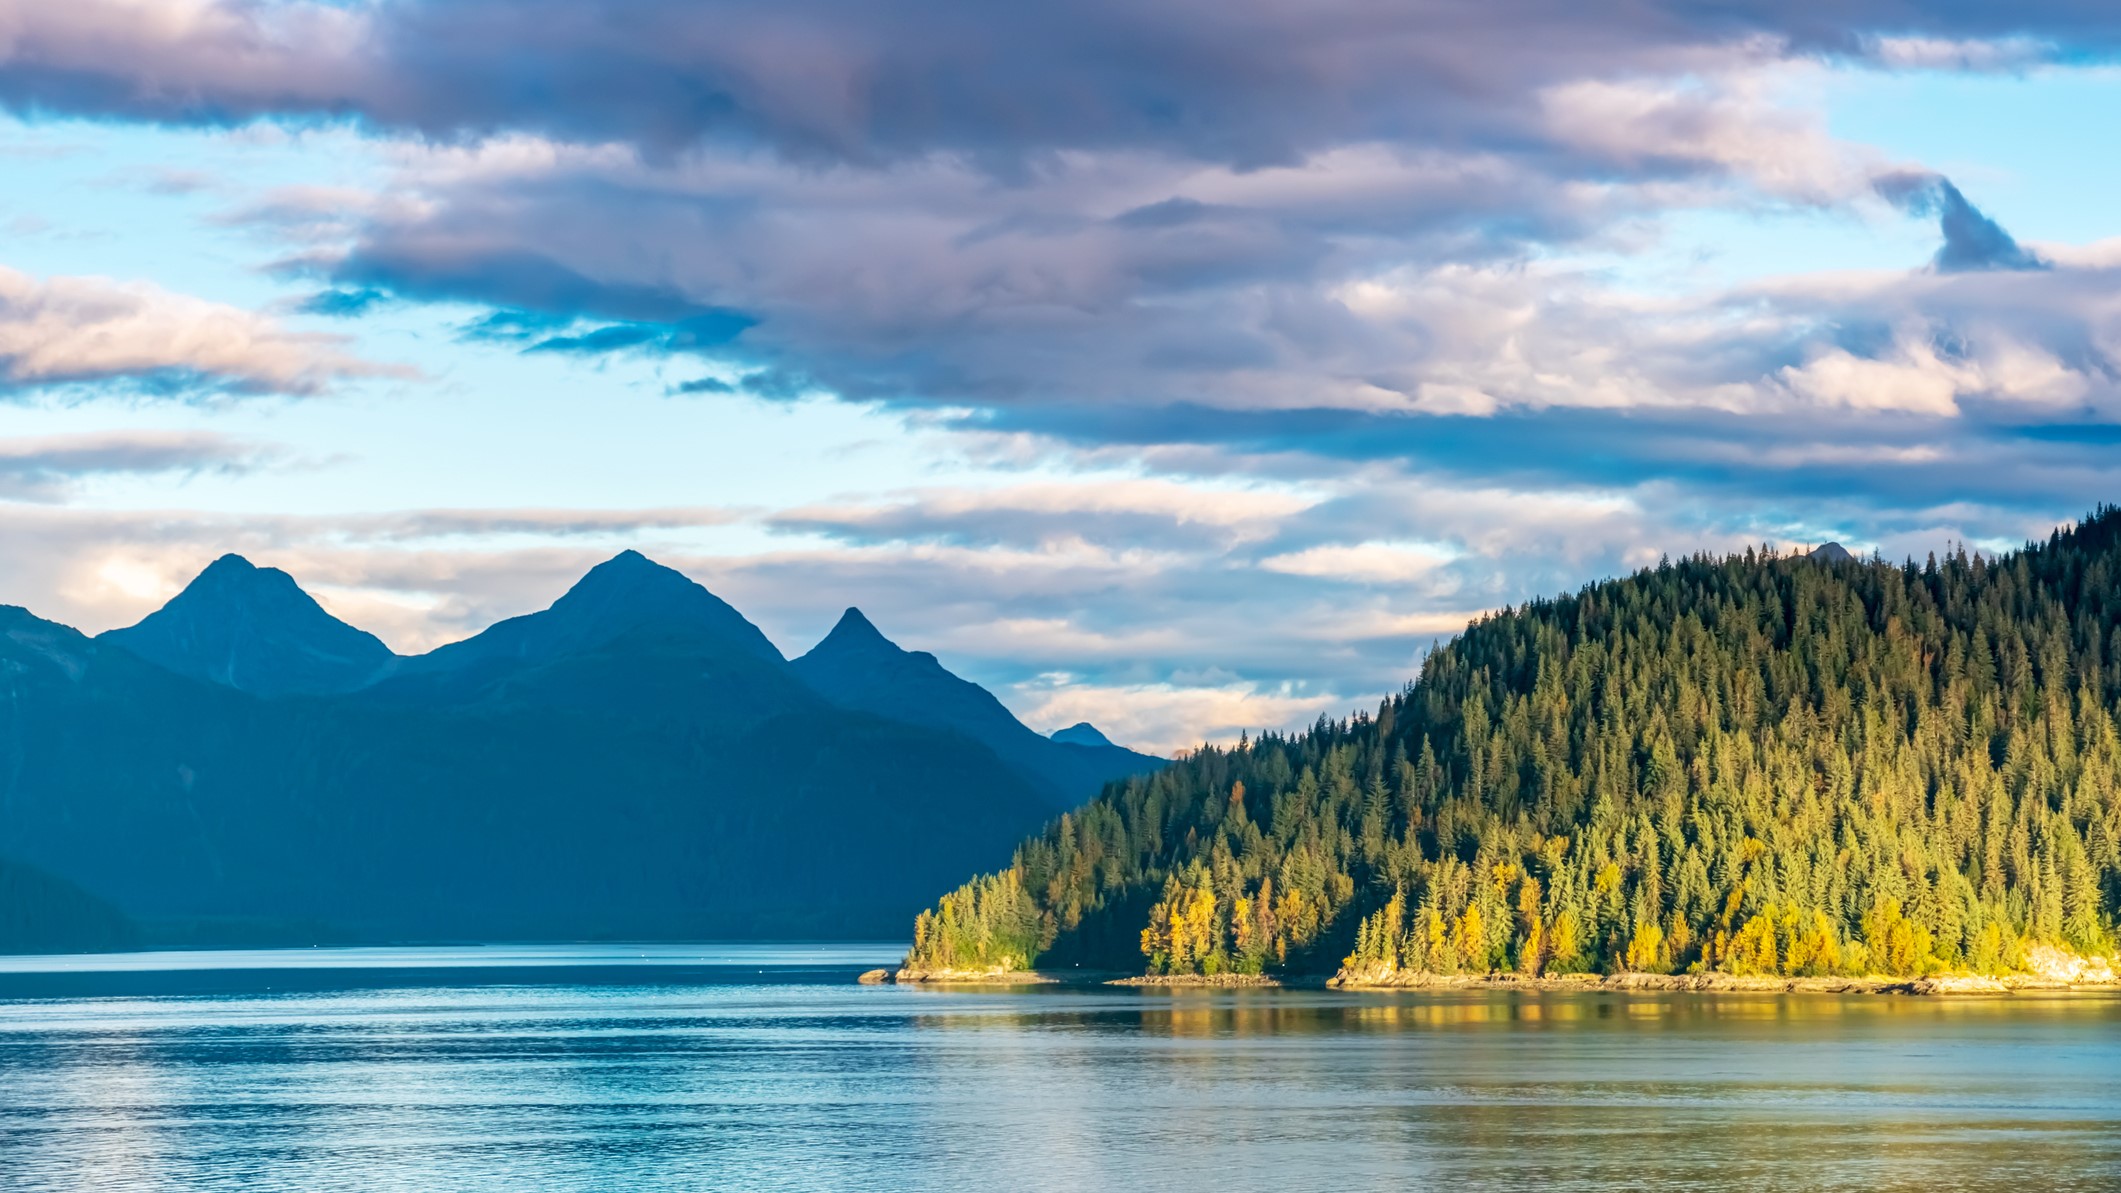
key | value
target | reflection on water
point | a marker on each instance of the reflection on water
(709, 1068)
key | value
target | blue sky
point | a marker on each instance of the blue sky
(1192, 376)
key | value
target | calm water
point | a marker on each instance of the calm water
(767, 1068)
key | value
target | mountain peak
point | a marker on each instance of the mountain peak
(633, 569)
(1082, 733)
(625, 593)
(1831, 553)
(233, 570)
(854, 629)
(254, 629)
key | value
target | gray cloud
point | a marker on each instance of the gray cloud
(1248, 82)
(49, 467)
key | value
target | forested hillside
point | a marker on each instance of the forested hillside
(1755, 764)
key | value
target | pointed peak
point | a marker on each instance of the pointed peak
(630, 574)
(254, 628)
(854, 627)
(625, 594)
(235, 569)
(1082, 733)
(234, 577)
(1831, 553)
(631, 563)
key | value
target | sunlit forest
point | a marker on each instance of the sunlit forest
(1756, 764)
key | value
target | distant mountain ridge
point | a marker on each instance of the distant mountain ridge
(635, 761)
(855, 666)
(254, 629)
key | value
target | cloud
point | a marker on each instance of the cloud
(1361, 563)
(1971, 54)
(342, 303)
(1167, 718)
(92, 331)
(1268, 210)
(49, 467)
(1246, 83)
(417, 578)
(1141, 513)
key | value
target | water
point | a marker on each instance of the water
(630, 1069)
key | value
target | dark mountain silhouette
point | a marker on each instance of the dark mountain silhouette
(1831, 553)
(857, 667)
(1082, 733)
(254, 629)
(636, 761)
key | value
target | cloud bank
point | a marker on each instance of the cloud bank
(1318, 301)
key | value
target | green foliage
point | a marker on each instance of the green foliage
(1756, 764)
(988, 923)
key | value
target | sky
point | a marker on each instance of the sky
(1187, 368)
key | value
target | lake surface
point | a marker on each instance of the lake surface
(763, 1067)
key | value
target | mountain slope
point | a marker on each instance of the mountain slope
(1752, 764)
(856, 667)
(254, 629)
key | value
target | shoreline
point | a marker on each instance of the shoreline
(1720, 983)
(1699, 983)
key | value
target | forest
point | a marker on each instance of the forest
(1762, 763)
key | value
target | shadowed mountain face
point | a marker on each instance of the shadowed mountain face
(857, 667)
(254, 629)
(636, 761)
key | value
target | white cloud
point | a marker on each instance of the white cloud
(1166, 719)
(1367, 563)
(74, 330)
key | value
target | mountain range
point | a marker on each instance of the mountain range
(636, 761)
